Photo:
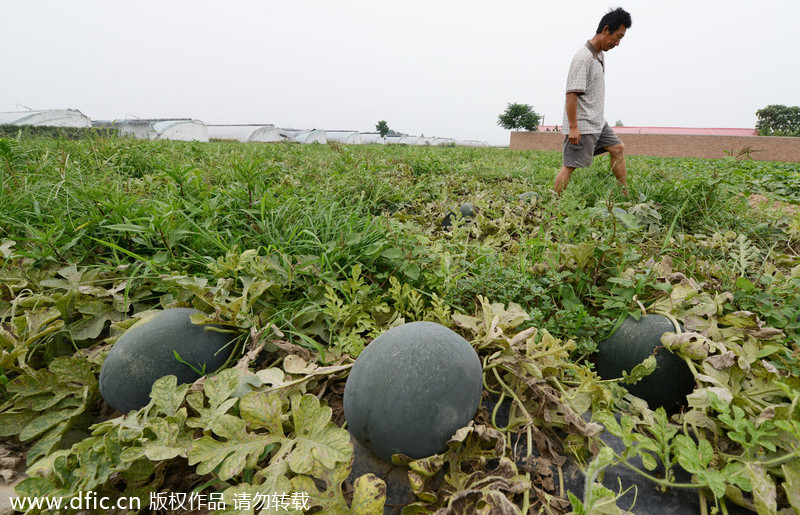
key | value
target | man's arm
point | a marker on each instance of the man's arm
(572, 115)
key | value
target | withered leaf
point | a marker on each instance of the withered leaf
(722, 361)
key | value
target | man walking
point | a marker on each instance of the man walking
(586, 132)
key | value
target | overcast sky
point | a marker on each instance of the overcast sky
(438, 68)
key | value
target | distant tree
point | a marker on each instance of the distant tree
(619, 123)
(519, 116)
(778, 120)
(383, 128)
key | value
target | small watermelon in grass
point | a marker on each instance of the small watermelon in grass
(466, 213)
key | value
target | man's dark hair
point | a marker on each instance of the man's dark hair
(614, 19)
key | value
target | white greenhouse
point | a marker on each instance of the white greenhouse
(181, 129)
(373, 137)
(410, 140)
(47, 118)
(305, 136)
(440, 142)
(404, 139)
(245, 133)
(472, 143)
(352, 137)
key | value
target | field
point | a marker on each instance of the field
(312, 251)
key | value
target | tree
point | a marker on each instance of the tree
(778, 120)
(619, 124)
(383, 128)
(519, 116)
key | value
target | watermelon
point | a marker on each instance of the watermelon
(146, 352)
(465, 212)
(411, 389)
(631, 344)
(529, 196)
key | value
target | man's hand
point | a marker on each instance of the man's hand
(574, 135)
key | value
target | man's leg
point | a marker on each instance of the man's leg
(617, 153)
(563, 178)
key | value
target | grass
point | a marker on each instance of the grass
(180, 206)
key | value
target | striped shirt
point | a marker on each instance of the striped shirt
(587, 78)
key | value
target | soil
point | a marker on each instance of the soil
(762, 202)
(12, 467)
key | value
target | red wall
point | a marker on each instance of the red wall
(761, 148)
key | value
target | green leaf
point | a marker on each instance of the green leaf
(46, 443)
(33, 487)
(238, 450)
(219, 390)
(715, 481)
(640, 371)
(206, 415)
(735, 474)
(40, 322)
(706, 452)
(648, 461)
(261, 410)
(374, 248)
(764, 491)
(44, 423)
(412, 271)
(687, 454)
(170, 438)
(73, 370)
(791, 483)
(693, 457)
(247, 497)
(46, 400)
(317, 439)
(222, 386)
(167, 395)
(577, 505)
(330, 497)
(274, 478)
(745, 284)
(624, 432)
(393, 253)
(768, 350)
(95, 316)
(12, 423)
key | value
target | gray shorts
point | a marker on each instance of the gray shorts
(580, 156)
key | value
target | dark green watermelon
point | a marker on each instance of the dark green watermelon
(531, 197)
(634, 341)
(466, 212)
(411, 389)
(146, 352)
